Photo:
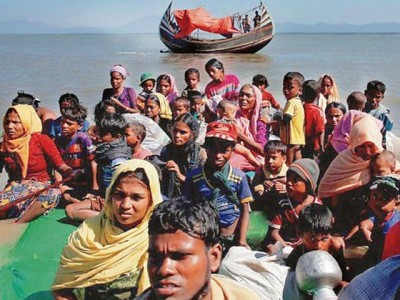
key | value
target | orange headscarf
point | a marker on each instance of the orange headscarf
(20, 146)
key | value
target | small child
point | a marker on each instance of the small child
(314, 230)
(268, 99)
(141, 102)
(381, 164)
(196, 104)
(166, 86)
(292, 131)
(66, 100)
(192, 79)
(383, 201)
(77, 151)
(269, 182)
(301, 182)
(112, 152)
(356, 101)
(375, 93)
(226, 112)
(135, 133)
(314, 120)
(223, 185)
(147, 82)
(180, 106)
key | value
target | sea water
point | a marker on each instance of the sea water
(50, 65)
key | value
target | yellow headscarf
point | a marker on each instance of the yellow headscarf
(99, 252)
(20, 146)
(165, 109)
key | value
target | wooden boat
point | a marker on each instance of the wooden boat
(175, 29)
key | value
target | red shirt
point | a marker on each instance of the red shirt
(269, 97)
(42, 152)
(314, 124)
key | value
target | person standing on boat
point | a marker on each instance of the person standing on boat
(124, 97)
(256, 20)
(246, 24)
(226, 86)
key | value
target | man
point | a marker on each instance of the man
(184, 251)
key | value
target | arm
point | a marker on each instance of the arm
(366, 227)
(244, 225)
(321, 138)
(277, 237)
(251, 143)
(123, 107)
(95, 184)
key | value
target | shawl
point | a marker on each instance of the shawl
(334, 93)
(109, 151)
(173, 91)
(341, 133)
(165, 109)
(20, 146)
(99, 252)
(348, 171)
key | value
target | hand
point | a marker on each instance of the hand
(172, 166)
(280, 187)
(268, 184)
(244, 244)
(116, 101)
(271, 249)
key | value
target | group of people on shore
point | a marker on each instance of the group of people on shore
(165, 182)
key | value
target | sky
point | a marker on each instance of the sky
(115, 13)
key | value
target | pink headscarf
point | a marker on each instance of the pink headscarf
(120, 69)
(173, 93)
(341, 134)
(250, 126)
(349, 171)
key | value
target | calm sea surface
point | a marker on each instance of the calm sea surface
(50, 65)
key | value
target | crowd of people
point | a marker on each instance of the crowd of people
(164, 182)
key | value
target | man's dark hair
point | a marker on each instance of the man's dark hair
(112, 123)
(68, 97)
(311, 90)
(76, 113)
(24, 98)
(296, 76)
(275, 146)
(198, 219)
(376, 85)
(315, 218)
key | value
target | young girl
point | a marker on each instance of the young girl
(157, 108)
(167, 87)
(329, 91)
(181, 155)
(334, 112)
(107, 255)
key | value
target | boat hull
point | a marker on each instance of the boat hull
(250, 42)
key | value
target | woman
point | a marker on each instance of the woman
(329, 91)
(107, 254)
(252, 132)
(157, 108)
(167, 87)
(181, 155)
(124, 97)
(224, 85)
(26, 155)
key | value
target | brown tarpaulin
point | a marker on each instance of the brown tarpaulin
(189, 20)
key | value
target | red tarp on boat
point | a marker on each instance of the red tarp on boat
(199, 18)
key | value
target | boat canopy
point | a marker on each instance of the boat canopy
(191, 19)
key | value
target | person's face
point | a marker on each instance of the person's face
(192, 80)
(291, 89)
(380, 167)
(196, 105)
(296, 187)
(181, 134)
(148, 85)
(152, 109)
(179, 109)
(374, 97)
(106, 137)
(215, 74)
(317, 241)
(366, 150)
(69, 127)
(247, 98)
(110, 109)
(274, 161)
(326, 86)
(13, 126)
(163, 87)
(333, 117)
(116, 80)
(227, 112)
(380, 203)
(131, 200)
(180, 266)
(218, 155)
(131, 137)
